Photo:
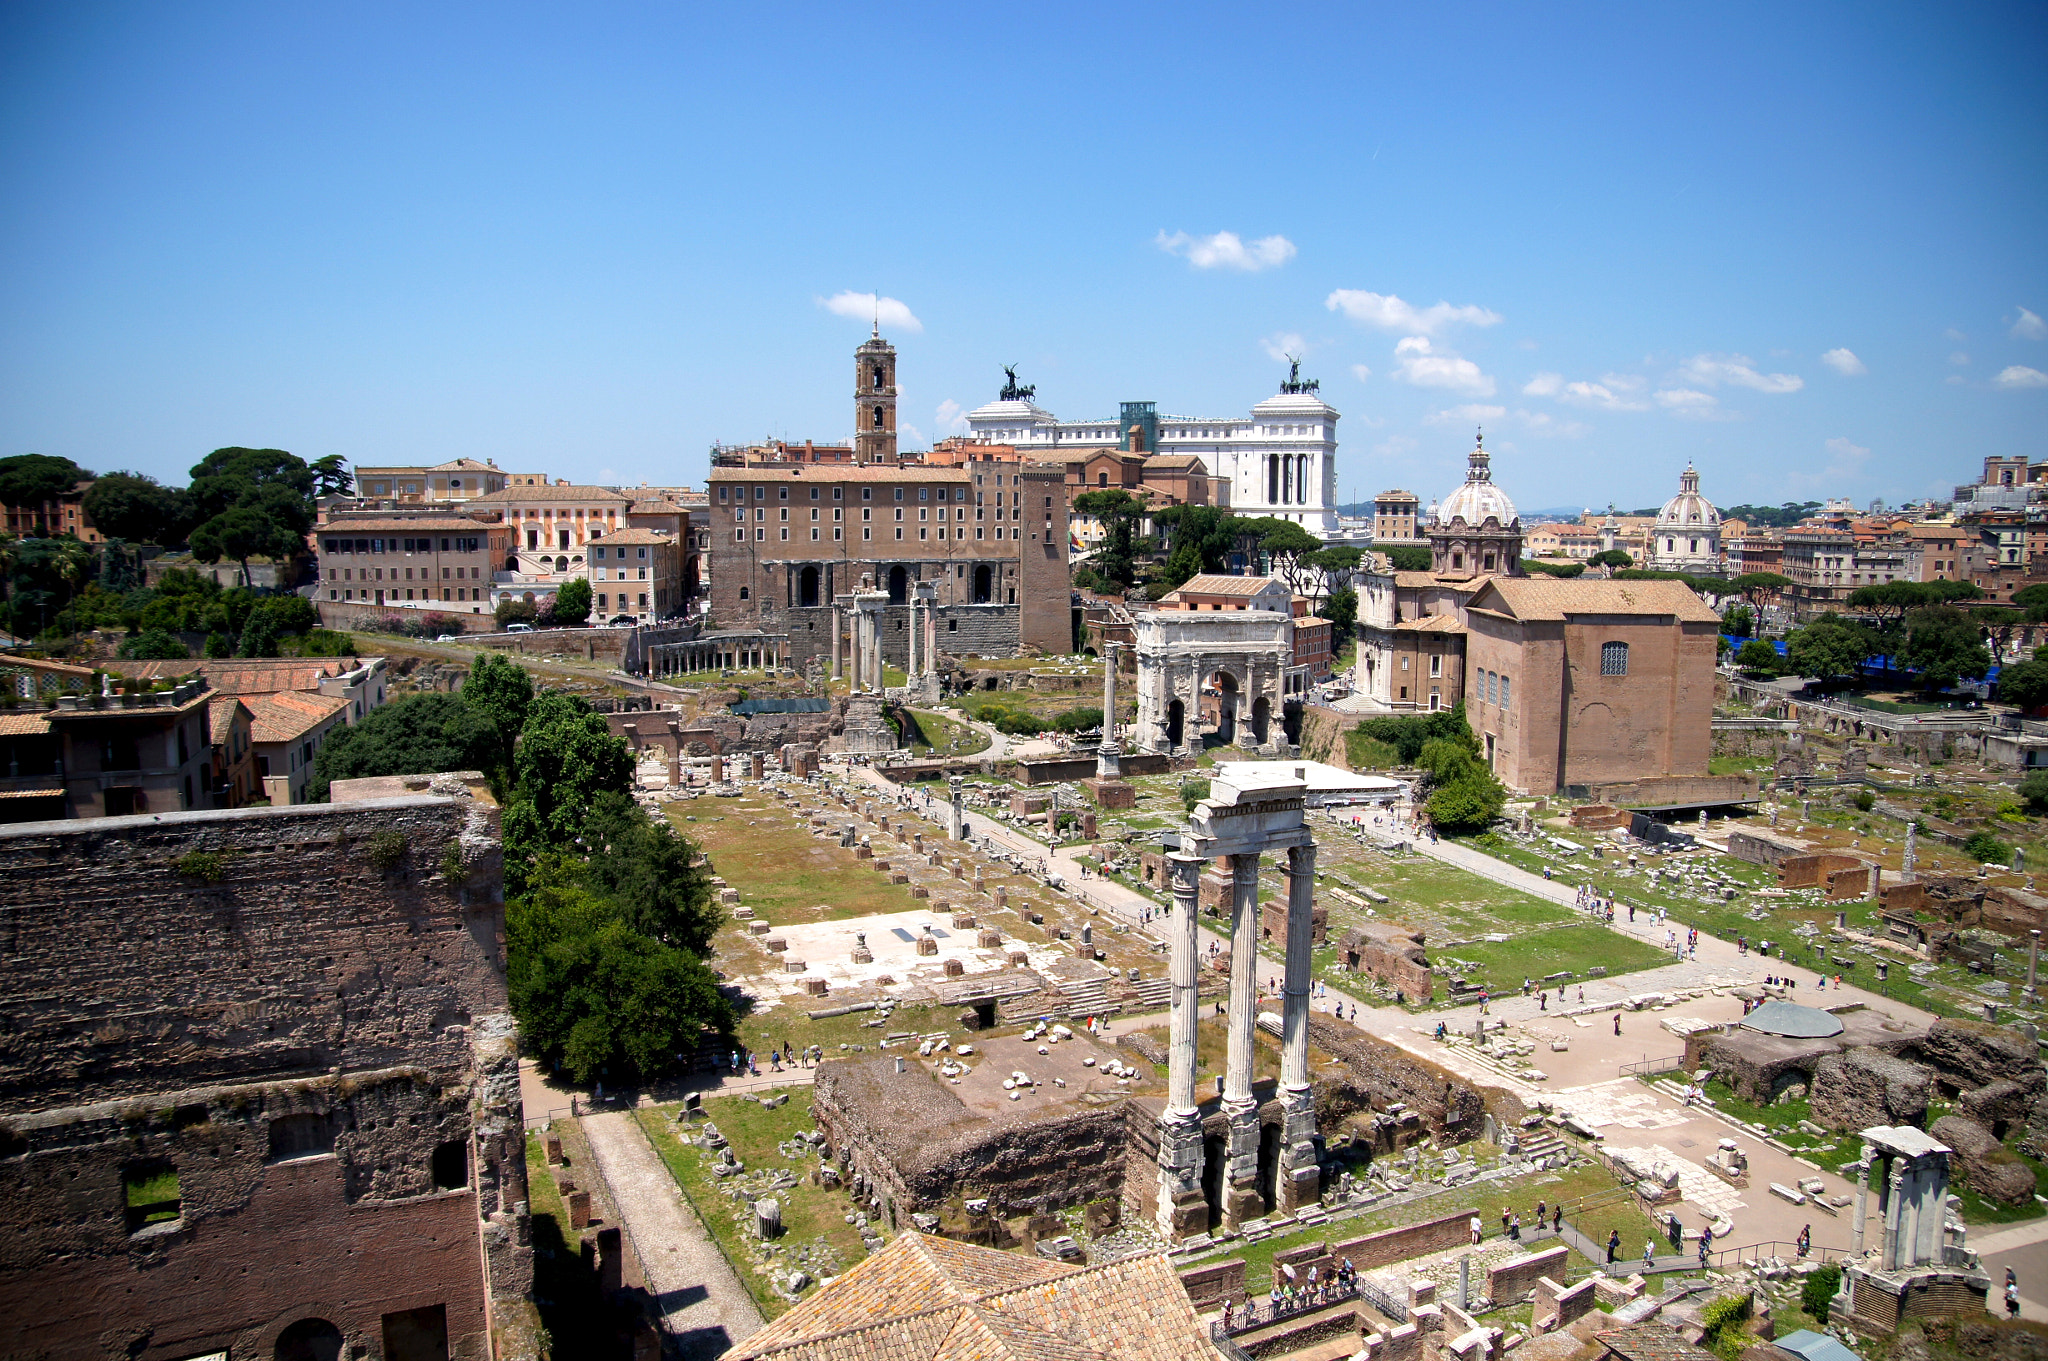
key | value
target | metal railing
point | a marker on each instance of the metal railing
(1265, 1315)
(1648, 1066)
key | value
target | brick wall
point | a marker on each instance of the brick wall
(314, 1045)
(1511, 1281)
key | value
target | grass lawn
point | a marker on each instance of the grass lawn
(815, 1235)
(946, 736)
(1500, 966)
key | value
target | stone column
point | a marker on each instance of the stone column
(1108, 756)
(931, 636)
(1894, 1211)
(1910, 861)
(914, 637)
(1183, 1211)
(1299, 1181)
(1862, 1198)
(956, 810)
(1241, 1198)
(835, 642)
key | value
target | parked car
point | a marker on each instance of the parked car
(447, 638)
(623, 621)
(518, 628)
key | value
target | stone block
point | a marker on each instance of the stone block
(1019, 959)
(579, 1209)
(816, 987)
(1110, 794)
(954, 968)
(792, 965)
(553, 1144)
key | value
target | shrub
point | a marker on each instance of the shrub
(1865, 800)
(1820, 1287)
(1987, 849)
(154, 644)
(1193, 792)
(2034, 789)
(1758, 656)
(387, 848)
(516, 612)
(208, 867)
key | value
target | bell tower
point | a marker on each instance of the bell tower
(874, 400)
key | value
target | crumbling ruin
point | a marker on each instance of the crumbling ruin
(1393, 954)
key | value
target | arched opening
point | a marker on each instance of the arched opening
(899, 585)
(1176, 722)
(1290, 720)
(310, 1339)
(1224, 696)
(561, 564)
(1102, 479)
(1273, 479)
(984, 584)
(1262, 719)
(807, 586)
(511, 562)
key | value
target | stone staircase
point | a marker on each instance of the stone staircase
(1541, 1142)
(1151, 994)
(1085, 997)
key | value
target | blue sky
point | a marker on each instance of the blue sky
(1799, 245)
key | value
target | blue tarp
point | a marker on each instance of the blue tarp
(746, 708)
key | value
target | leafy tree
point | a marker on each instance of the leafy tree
(502, 691)
(218, 644)
(1987, 849)
(1943, 645)
(642, 865)
(572, 602)
(2024, 684)
(326, 643)
(1341, 609)
(516, 612)
(1405, 557)
(2034, 789)
(1829, 646)
(1287, 548)
(1999, 625)
(1182, 565)
(250, 503)
(1464, 794)
(566, 758)
(154, 645)
(1408, 734)
(1193, 792)
(331, 476)
(1770, 517)
(137, 507)
(29, 480)
(417, 735)
(1555, 569)
(1757, 656)
(1210, 530)
(1739, 621)
(1759, 588)
(597, 998)
(1118, 512)
(1611, 557)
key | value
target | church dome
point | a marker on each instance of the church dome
(1688, 510)
(1478, 497)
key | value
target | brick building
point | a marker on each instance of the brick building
(786, 540)
(429, 562)
(462, 479)
(1581, 683)
(260, 1096)
(63, 515)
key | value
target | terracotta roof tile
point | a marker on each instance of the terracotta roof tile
(554, 491)
(1213, 583)
(24, 725)
(289, 715)
(637, 536)
(1553, 598)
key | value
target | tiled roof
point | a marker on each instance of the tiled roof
(462, 465)
(638, 536)
(247, 675)
(932, 1299)
(24, 725)
(554, 491)
(289, 715)
(345, 523)
(1213, 583)
(842, 472)
(1554, 598)
(220, 715)
(1435, 623)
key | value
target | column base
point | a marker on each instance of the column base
(1183, 1211)
(1298, 1188)
(1242, 1200)
(1300, 1179)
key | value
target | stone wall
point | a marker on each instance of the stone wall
(1393, 954)
(1209, 1286)
(1760, 849)
(1557, 1306)
(1511, 1282)
(1863, 1087)
(294, 1019)
(2015, 911)
(1371, 1075)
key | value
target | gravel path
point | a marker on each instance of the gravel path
(703, 1305)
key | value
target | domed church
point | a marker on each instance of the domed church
(1687, 535)
(1476, 531)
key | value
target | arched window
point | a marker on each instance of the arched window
(878, 376)
(1102, 479)
(1614, 659)
(878, 418)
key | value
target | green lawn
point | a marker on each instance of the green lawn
(946, 736)
(1502, 965)
(816, 1237)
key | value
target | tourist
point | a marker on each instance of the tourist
(1805, 1243)
(1515, 1229)
(1276, 1299)
(1617, 1023)
(1476, 1226)
(1649, 1253)
(1543, 1000)
(2012, 1299)
(1706, 1245)
(1440, 1036)
(1227, 1306)
(1542, 1213)
(1613, 1246)
(1631, 912)
(1557, 1217)
(1504, 1218)
(1582, 993)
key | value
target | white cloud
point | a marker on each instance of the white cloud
(1394, 445)
(1544, 385)
(1844, 362)
(952, 418)
(1360, 372)
(1690, 404)
(1426, 367)
(1737, 370)
(1227, 250)
(1602, 396)
(1955, 335)
(1959, 359)
(1390, 313)
(1281, 344)
(1466, 415)
(2029, 327)
(867, 307)
(1544, 423)
(912, 436)
(606, 477)
(2020, 376)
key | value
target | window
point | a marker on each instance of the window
(1503, 692)
(301, 1136)
(743, 593)
(150, 1192)
(1436, 664)
(1614, 659)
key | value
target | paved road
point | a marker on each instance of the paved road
(702, 1303)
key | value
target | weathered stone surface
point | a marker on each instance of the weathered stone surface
(1971, 1054)
(1862, 1087)
(1983, 1163)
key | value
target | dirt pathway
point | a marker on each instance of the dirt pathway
(702, 1303)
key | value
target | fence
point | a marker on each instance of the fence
(1256, 1316)
(1648, 1066)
